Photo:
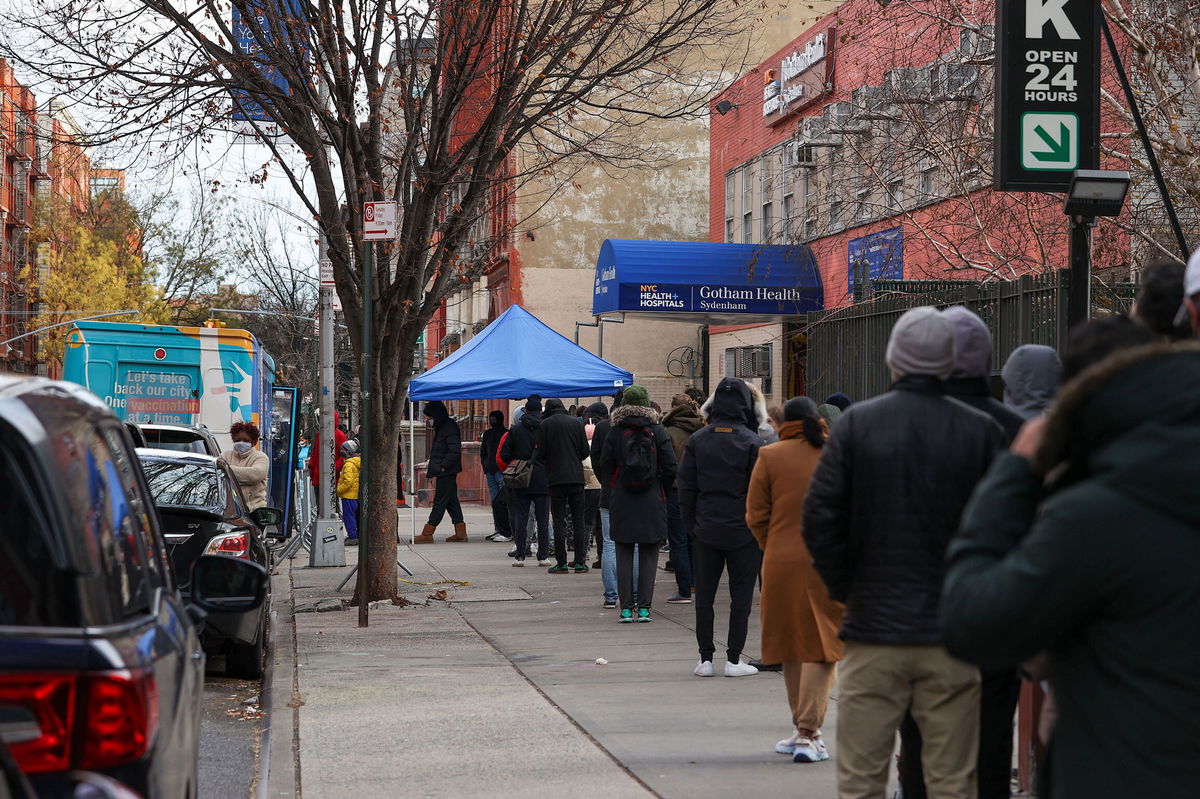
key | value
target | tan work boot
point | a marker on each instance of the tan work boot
(426, 536)
(460, 533)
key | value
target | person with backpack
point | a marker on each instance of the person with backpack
(347, 489)
(640, 460)
(713, 483)
(561, 448)
(525, 479)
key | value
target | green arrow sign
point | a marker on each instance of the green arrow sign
(1060, 149)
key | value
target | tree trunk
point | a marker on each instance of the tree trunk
(381, 520)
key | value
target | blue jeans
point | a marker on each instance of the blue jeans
(608, 560)
(495, 483)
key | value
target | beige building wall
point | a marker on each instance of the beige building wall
(559, 241)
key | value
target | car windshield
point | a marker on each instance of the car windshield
(185, 485)
(178, 440)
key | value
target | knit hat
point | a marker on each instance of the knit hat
(533, 404)
(972, 343)
(922, 343)
(636, 395)
(838, 400)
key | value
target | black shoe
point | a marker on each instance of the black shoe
(758, 664)
(512, 553)
(351, 542)
(597, 565)
(669, 567)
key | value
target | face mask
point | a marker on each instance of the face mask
(242, 447)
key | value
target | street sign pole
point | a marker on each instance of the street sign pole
(364, 435)
(1079, 289)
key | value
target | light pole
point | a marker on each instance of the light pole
(1093, 193)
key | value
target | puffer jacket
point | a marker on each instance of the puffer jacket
(562, 445)
(445, 454)
(1101, 575)
(680, 423)
(718, 460)
(638, 517)
(347, 484)
(884, 501)
(521, 444)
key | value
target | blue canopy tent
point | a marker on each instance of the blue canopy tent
(515, 356)
(706, 282)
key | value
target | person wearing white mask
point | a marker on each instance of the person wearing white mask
(248, 463)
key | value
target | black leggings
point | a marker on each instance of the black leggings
(519, 502)
(647, 571)
(743, 564)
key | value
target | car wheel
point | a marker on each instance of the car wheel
(248, 660)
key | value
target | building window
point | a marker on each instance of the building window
(835, 216)
(749, 363)
(862, 205)
(747, 228)
(730, 230)
(730, 204)
(786, 219)
(928, 180)
(768, 223)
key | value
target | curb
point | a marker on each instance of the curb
(279, 756)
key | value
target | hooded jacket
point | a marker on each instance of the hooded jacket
(717, 462)
(1101, 575)
(1031, 376)
(884, 501)
(599, 436)
(680, 423)
(314, 459)
(638, 518)
(562, 445)
(445, 454)
(348, 478)
(489, 442)
(521, 444)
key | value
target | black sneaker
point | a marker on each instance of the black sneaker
(351, 542)
(679, 599)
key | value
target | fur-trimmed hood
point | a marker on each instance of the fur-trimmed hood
(736, 399)
(1133, 420)
(623, 412)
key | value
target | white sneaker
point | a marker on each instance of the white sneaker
(819, 745)
(545, 562)
(806, 751)
(739, 669)
(788, 745)
(703, 669)
(519, 562)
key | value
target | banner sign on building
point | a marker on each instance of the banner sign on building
(1047, 92)
(801, 78)
(709, 298)
(876, 256)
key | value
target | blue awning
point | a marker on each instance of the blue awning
(515, 356)
(706, 282)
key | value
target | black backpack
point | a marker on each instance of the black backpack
(638, 467)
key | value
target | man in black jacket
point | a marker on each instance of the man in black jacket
(562, 446)
(445, 463)
(714, 478)
(521, 445)
(883, 503)
(489, 445)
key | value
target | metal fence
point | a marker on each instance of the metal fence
(846, 346)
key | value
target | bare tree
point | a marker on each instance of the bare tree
(485, 97)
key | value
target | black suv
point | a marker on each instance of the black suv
(101, 667)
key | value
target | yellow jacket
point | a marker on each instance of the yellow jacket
(347, 487)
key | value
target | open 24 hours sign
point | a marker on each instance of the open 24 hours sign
(1047, 92)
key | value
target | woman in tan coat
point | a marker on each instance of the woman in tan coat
(799, 620)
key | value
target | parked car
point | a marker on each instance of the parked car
(181, 438)
(203, 512)
(101, 667)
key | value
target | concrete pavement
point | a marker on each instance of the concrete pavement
(496, 692)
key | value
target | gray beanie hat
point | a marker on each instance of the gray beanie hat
(972, 343)
(922, 343)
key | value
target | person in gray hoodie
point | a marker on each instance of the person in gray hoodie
(1031, 377)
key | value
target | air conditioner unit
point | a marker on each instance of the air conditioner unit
(800, 155)
(907, 85)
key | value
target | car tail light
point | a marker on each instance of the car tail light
(235, 544)
(87, 721)
(42, 709)
(119, 716)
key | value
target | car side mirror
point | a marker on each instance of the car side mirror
(225, 584)
(266, 517)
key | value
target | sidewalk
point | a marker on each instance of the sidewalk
(496, 692)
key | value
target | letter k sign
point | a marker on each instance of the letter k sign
(1038, 13)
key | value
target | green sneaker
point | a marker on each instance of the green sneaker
(625, 616)
(556, 569)
(580, 567)
(643, 615)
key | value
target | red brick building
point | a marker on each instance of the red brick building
(868, 140)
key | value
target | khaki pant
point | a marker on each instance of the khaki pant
(808, 689)
(878, 685)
